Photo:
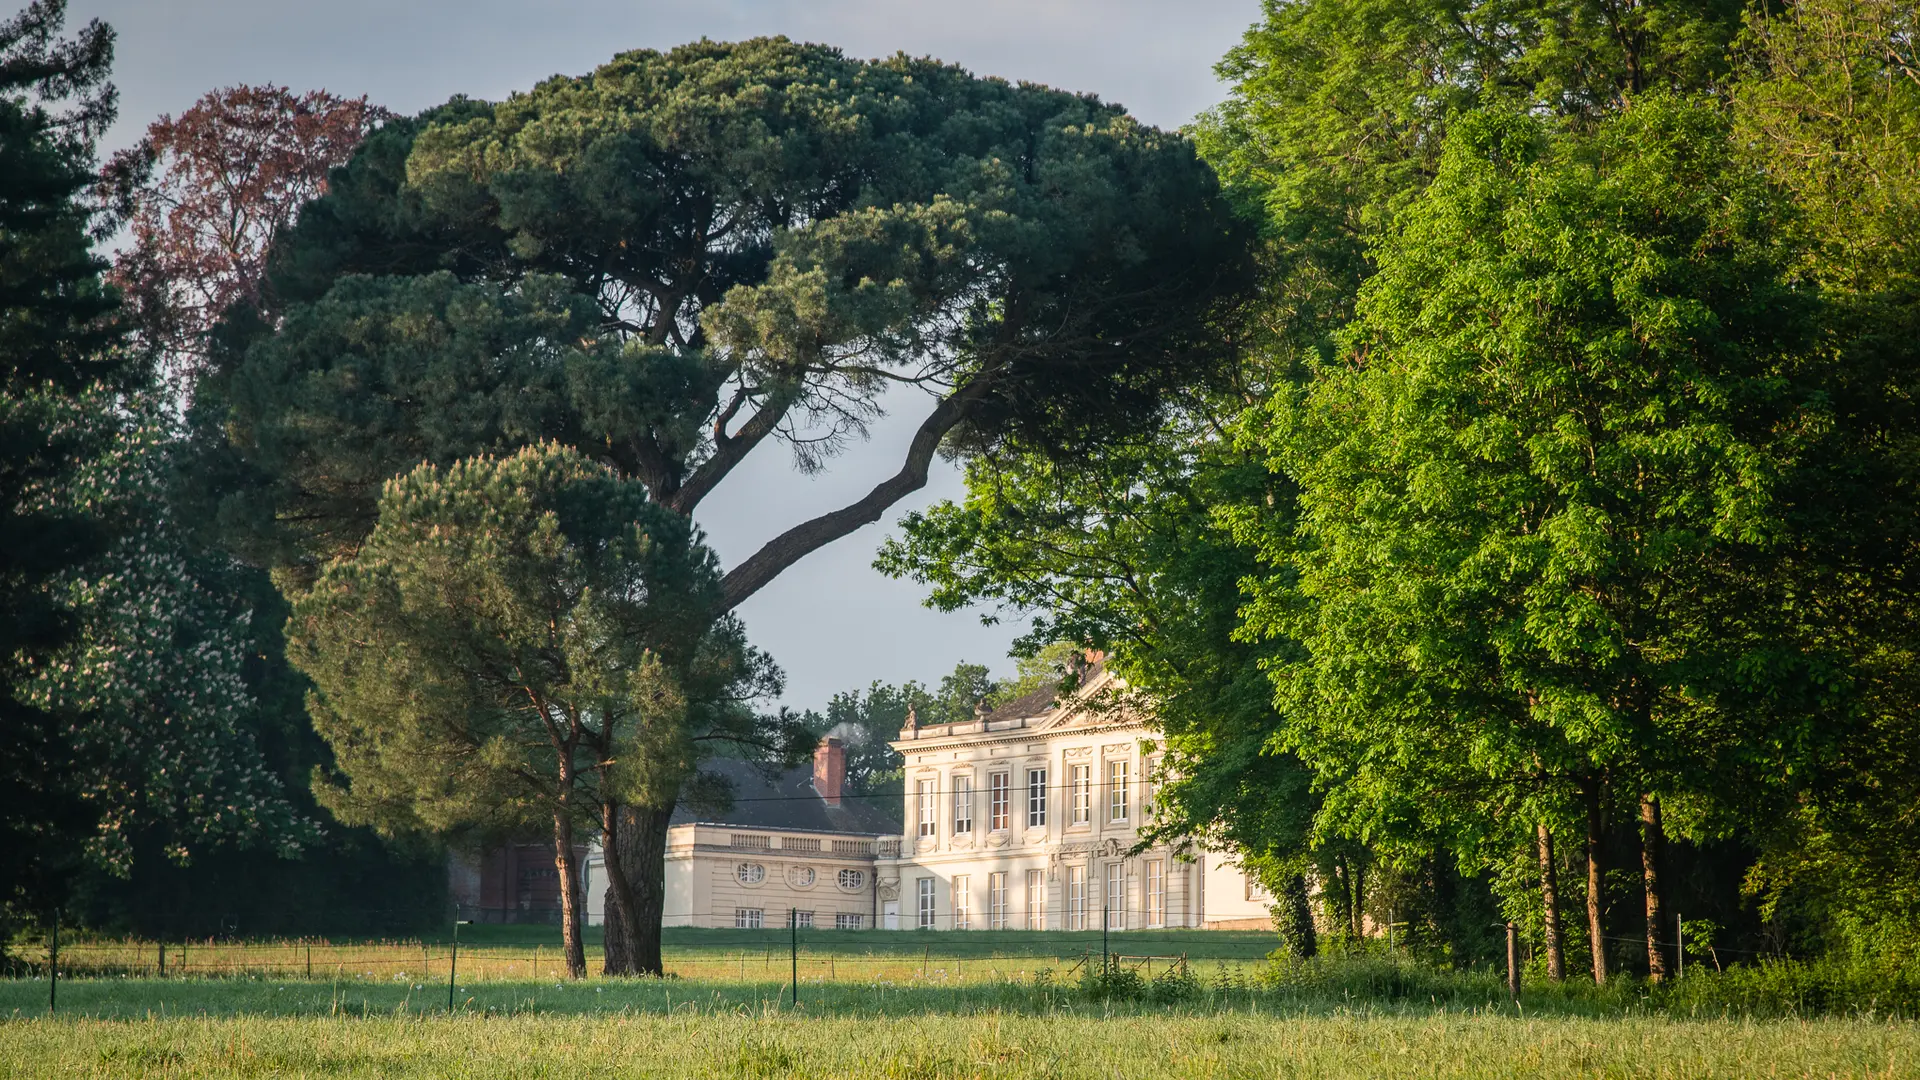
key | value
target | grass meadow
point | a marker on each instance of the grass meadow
(880, 1004)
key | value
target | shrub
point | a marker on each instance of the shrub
(1111, 982)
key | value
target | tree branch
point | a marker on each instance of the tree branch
(802, 540)
(728, 451)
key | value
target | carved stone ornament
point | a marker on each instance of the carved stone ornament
(1110, 848)
(890, 889)
(1079, 751)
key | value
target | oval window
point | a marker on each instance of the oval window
(751, 873)
(852, 879)
(801, 876)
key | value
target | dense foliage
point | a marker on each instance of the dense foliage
(1565, 505)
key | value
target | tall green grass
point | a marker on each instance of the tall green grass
(694, 1041)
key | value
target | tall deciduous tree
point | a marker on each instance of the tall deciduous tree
(686, 255)
(521, 640)
(205, 196)
(152, 686)
(1539, 496)
(1828, 105)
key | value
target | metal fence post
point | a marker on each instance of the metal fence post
(793, 950)
(1106, 963)
(53, 965)
(453, 962)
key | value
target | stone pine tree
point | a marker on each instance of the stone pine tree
(684, 256)
(521, 641)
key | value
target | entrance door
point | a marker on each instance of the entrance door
(890, 915)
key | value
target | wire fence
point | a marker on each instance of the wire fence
(716, 951)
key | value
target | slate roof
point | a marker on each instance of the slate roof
(788, 801)
(1040, 702)
(1026, 705)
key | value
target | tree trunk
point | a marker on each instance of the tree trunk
(642, 858)
(568, 867)
(1296, 928)
(1650, 850)
(1358, 911)
(617, 920)
(1550, 906)
(1596, 887)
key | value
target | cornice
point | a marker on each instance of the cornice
(1002, 738)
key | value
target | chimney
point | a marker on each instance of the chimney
(829, 770)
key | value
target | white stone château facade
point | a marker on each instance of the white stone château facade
(1027, 816)
(1023, 818)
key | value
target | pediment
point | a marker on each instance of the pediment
(1098, 704)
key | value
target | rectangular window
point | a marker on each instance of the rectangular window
(962, 803)
(1076, 898)
(1254, 892)
(1036, 798)
(803, 920)
(1036, 899)
(749, 918)
(926, 910)
(1117, 895)
(1156, 892)
(923, 791)
(846, 921)
(997, 900)
(1082, 790)
(1149, 787)
(962, 909)
(999, 795)
(1119, 782)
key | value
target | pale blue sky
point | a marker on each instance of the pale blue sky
(832, 621)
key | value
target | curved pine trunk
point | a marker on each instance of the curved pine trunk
(573, 945)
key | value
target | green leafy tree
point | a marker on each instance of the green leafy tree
(1333, 123)
(685, 255)
(1338, 110)
(521, 640)
(1828, 106)
(1539, 498)
(153, 681)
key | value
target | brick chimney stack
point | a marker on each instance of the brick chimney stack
(829, 770)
